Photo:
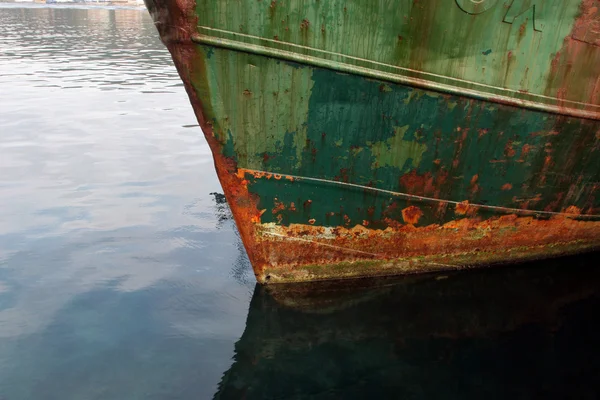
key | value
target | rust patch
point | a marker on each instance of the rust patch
(474, 187)
(526, 203)
(411, 215)
(416, 184)
(278, 206)
(578, 56)
(573, 210)
(509, 151)
(462, 208)
(426, 184)
(553, 206)
(346, 220)
(175, 21)
(525, 150)
(459, 243)
(587, 28)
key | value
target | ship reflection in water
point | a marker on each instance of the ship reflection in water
(514, 332)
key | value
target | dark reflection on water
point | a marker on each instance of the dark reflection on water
(122, 275)
(507, 333)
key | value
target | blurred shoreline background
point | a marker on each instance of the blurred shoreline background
(129, 3)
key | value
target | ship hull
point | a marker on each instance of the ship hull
(338, 169)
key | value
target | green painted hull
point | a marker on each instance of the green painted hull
(384, 137)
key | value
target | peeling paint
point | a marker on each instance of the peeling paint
(396, 151)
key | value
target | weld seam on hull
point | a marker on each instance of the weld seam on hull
(592, 217)
(396, 78)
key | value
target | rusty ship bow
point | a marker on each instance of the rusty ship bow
(380, 137)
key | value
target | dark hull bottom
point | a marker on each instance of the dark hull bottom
(503, 333)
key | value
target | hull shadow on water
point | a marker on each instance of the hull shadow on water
(511, 332)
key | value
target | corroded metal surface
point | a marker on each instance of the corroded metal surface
(372, 172)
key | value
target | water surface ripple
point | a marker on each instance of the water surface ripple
(120, 276)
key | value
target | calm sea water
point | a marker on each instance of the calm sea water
(122, 275)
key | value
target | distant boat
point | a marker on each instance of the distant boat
(365, 138)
